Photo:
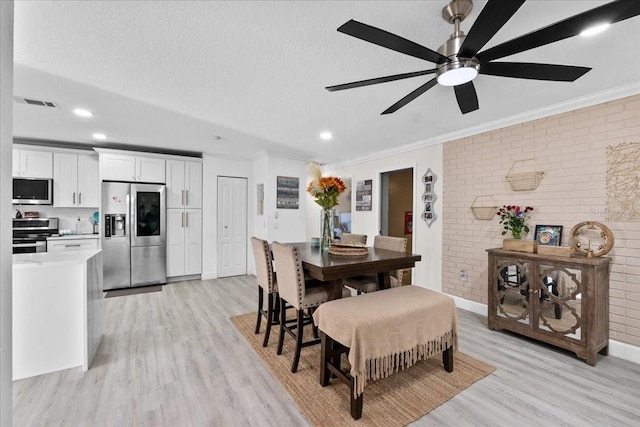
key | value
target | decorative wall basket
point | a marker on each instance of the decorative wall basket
(484, 207)
(527, 175)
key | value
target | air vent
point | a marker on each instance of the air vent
(30, 101)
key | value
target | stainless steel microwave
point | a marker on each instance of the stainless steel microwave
(32, 191)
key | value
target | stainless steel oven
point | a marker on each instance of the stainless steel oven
(28, 246)
(30, 234)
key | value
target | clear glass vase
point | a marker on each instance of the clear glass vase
(326, 228)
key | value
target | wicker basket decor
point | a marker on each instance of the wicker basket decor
(527, 180)
(484, 207)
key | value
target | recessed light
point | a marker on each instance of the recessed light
(100, 136)
(82, 112)
(326, 136)
(594, 29)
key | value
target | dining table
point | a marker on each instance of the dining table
(321, 265)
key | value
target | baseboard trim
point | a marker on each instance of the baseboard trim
(209, 276)
(184, 278)
(616, 348)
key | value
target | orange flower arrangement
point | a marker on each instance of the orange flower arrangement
(325, 190)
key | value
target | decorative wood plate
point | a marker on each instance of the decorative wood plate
(591, 238)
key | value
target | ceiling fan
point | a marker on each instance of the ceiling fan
(459, 60)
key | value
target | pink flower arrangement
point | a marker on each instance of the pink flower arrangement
(514, 219)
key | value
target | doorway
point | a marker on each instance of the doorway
(232, 226)
(396, 208)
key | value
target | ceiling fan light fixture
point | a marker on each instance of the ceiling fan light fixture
(457, 72)
(594, 29)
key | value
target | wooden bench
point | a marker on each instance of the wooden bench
(384, 332)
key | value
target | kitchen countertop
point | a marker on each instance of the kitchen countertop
(75, 236)
(42, 258)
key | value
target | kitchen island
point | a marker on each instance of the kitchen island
(58, 311)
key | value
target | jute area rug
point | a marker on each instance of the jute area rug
(395, 401)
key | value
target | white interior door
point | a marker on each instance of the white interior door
(232, 226)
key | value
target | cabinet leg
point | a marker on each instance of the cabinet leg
(604, 351)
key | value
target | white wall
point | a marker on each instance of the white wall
(6, 144)
(427, 241)
(290, 224)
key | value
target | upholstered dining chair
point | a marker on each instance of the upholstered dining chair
(301, 294)
(353, 238)
(266, 279)
(369, 283)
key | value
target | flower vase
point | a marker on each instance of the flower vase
(326, 228)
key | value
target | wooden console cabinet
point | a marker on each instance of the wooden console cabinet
(563, 301)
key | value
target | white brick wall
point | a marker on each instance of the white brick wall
(572, 148)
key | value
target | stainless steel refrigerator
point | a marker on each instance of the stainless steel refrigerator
(133, 235)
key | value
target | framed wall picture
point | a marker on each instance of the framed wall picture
(288, 189)
(260, 199)
(429, 196)
(364, 195)
(548, 235)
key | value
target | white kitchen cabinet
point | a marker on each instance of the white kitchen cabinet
(69, 244)
(184, 242)
(75, 180)
(150, 169)
(184, 184)
(123, 167)
(117, 167)
(32, 164)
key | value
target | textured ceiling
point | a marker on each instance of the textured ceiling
(172, 74)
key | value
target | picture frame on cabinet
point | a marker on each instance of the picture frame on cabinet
(548, 235)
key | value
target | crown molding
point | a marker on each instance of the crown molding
(551, 110)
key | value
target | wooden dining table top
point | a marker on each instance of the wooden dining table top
(327, 267)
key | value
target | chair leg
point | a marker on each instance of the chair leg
(260, 302)
(314, 328)
(283, 321)
(276, 308)
(299, 334)
(270, 314)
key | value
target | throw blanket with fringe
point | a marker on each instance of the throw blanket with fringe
(389, 330)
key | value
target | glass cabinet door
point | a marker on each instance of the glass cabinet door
(513, 290)
(560, 307)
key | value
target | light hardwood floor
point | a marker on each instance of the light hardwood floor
(173, 358)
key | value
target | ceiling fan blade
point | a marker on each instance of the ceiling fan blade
(390, 41)
(377, 80)
(413, 95)
(613, 12)
(467, 97)
(492, 17)
(534, 71)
